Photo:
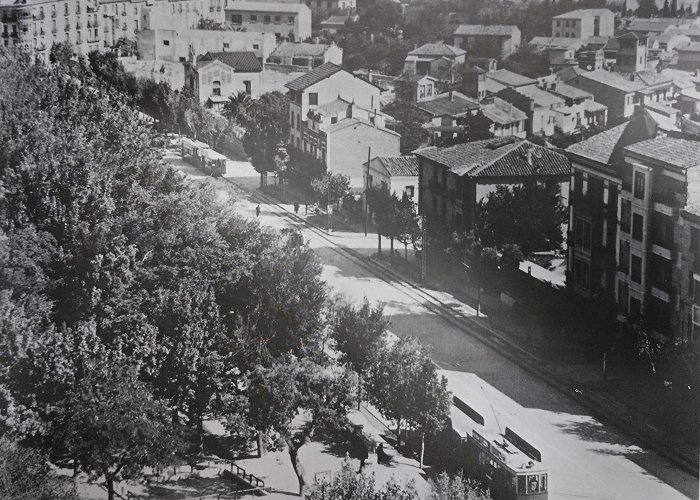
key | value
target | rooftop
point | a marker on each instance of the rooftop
(539, 97)
(437, 49)
(499, 157)
(569, 91)
(510, 79)
(679, 153)
(486, 29)
(244, 62)
(314, 76)
(583, 13)
(335, 20)
(355, 122)
(246, 6)
(399, 166)
(333, 108)
(300, 49)
(614, 80)
(544, 42)
(454, 104)
(688, 47)
(502, 112)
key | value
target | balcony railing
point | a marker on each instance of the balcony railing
(39, 17)
(53, 15)
(10, 18)
(91, 10)
(668, 197)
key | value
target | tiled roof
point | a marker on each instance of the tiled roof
(591, 106)
(442, 104)
(244, 62)
(245, 6)
(510, 79)
(502, 112)
(582, 13)
(681, 153)
(501, 157)
(350, 122)
(543, 42)
(333, 108)
(486, 29)
(437, 49)
(335, 20)
(688, 47)
(614, 80)
(653, 77)
(569, 91)
(300, 49)
(539, 97)
(599, 147)
(404, 166)
(314, 76)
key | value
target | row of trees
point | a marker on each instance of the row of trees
(132, 305)
(396, 218)
(398, 374)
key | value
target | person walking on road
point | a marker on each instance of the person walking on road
(296, 207)
(257, 211)
(364, 455)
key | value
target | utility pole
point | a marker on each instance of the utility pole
(330, 215)
(423, 253)
(369, 154)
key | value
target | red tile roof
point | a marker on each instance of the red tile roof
(243, 62)
(314, 76)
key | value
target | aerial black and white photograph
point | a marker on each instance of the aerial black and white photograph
(349, 249)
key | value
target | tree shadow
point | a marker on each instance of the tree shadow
(193, 487)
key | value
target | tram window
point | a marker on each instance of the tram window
(522, 484)
(543, 483)
(533, 484)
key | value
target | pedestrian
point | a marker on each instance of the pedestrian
(364, 455)
(257, 211)
(296, 207)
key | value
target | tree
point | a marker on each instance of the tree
(530, 215)
(623, 12)
(303, 168)
(26, 474)
(472, 128)
(404, 386)
(358, 336)
(445, 487)
(236, 108)
(666, 11)
(266, 124)
(527, 61)
(409, 123)
(647, 8)
(113, 428)
(408, 230)
(383, 205)
(331, 188)
(347, 484)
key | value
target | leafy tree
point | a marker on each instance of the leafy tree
(527, 61)
(647, 8)
(113, 428)
(331, 188)
(383, 205)
(408, 230)
(666, 11)
(210, 24)
(266, 124)
(347, 484)
(409, 123)
(358, 335)
(445, 487)
(380, 16)
(472, 128)
(303, 168)
(530, 215)
(26, 474)
(236, 108)
(405, 387)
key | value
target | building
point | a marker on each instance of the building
(334, 24)
(181, 45)
(688, 56)
(321, 9)
(669, 41)
(216, 76)
(540, 106)
(596, 182)
(689, 291)
(454, 179)
(305, 55)
(506, 119)
(645, 26)
(179, 14)
(398, 174)
(631, 53)
(285, 20)
(660, 179)
(443, 110)
(584, 23)
(438, 60)
(496, 41)
(335, 116)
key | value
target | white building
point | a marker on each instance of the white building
(285, 20)
(584, 23)
(398, 174)
(305, 55)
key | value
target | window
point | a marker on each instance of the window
(582, 234)
(278, 19)
(638, 227)
(299, 121)
(313, 99)
(216, 90)
(266, 19)
(604, 238)
(291, 119)
(290, 20)
(409, 191)
(625, 215)
(256, 46)
(253, 18)
(166, 43)
(606, 194)
(248, 86)
(636, 269)
(582, 274)
(635, 308)
(639, 181)
(236, 19)
(226, 45)
(558, 23)
(584, 185)
(557, 34)
(624, 257)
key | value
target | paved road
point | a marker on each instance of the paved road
(586, 459)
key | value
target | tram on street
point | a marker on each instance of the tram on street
(504, 462)
(191, 148)
(212, 162)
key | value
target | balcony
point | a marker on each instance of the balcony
(53, 15)
(54, 30)
(14, 34)
(91, 10)
(10, 18)
(66, 29)
(39, 17)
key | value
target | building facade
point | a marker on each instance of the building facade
(398, 174)
(305, 55)
(285, 20)
(584, 23)
(216, 76)
(498, 41)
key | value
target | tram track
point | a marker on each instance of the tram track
(594, 403)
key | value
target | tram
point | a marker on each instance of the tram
(212, 162)
(506, 463)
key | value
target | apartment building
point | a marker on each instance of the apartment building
(180, 45)
(454, 179)
(216, 76)
(498, 41)
(660, 177)
(181, 14)
(285, 20)
(305, 55)
(334, 116)
(594, 200)
(584, 23)
(438, 60)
